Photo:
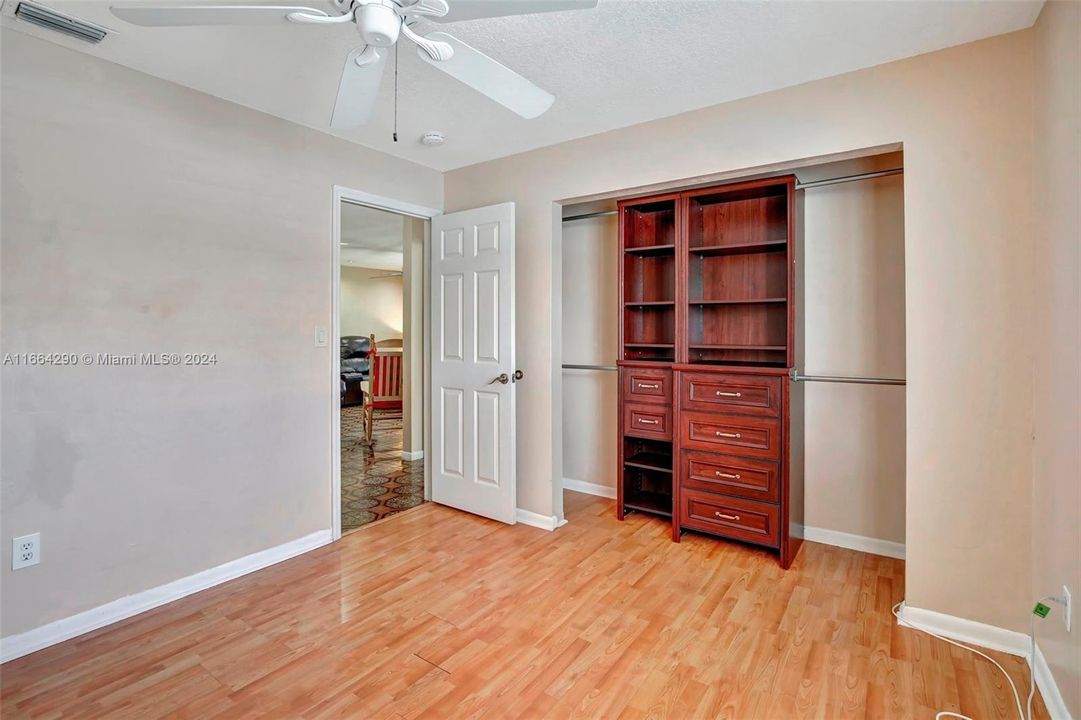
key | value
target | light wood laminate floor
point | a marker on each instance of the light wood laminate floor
(436, 613)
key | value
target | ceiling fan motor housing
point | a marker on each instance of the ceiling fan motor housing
(378, 23)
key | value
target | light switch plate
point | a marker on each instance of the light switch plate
(320, 336)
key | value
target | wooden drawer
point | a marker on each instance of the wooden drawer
(732, 435)
(647, 421)
(743, 477)
(742, 394)
(732, 517)
(646, 385)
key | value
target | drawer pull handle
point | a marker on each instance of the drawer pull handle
(719, 433)
(722, 516)
(648, 386)
(644, 421)
(722, 393)
(730, 476)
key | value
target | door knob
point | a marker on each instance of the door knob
(518, 375)
(503, 379)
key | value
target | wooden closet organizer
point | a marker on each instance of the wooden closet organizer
(708, 335)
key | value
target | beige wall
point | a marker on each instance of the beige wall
(1056, 505)
(854, 304)
(590, 327)
(142, 216)
(371, 303)
(968, 283)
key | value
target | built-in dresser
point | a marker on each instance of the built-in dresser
(708, 336)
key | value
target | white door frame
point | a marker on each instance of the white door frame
(344, 194)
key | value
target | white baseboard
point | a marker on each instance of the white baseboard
(130, 605)
(544, 522)
(969, 632)
(589, 488)
(411, 456)
(854, 542)
(1045, 681)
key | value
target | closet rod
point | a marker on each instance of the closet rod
(586, 216)
(848, 178)
(609, 368)
(796, 377)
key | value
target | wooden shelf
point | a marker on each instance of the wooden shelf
(739, 248)
(738, 347)
(749, 301)
(651, 250)
(728, 363)
(646, 363)
(650, 304)
(650, 345)
(650, 461)
(649, 502)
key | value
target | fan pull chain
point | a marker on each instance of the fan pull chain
(395, 133)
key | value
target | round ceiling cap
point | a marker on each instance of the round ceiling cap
(432, 138)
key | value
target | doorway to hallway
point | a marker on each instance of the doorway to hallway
(381, 329)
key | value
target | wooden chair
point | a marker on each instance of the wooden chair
(384, 385)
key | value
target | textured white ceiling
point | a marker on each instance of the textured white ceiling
(371, 238)
(626, 62)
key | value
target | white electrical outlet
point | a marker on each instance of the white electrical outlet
(1069, 609)
(25, 551)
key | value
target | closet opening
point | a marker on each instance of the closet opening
(777, 308)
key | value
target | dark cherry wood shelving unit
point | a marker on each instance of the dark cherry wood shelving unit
(707, 336)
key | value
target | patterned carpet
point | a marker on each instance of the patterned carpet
(376, 482)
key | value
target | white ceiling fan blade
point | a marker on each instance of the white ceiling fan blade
(474, 9)
(178, 16)
(491, 78)
(358, 88)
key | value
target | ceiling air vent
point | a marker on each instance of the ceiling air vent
(52, 20)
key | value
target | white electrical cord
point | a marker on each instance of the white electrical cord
(1016, 695)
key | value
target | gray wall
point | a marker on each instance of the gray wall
(142, 216)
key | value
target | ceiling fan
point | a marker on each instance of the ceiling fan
(380, 24)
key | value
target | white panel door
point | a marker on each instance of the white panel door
(473, 373)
